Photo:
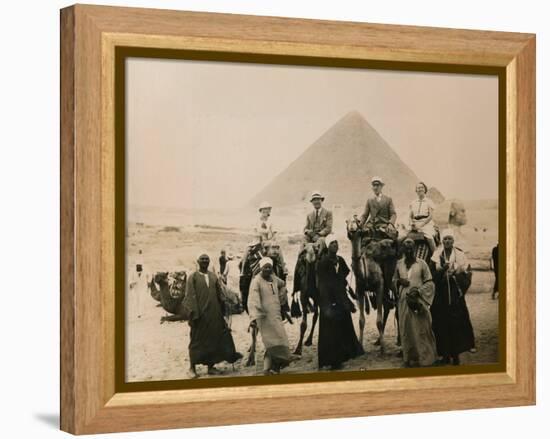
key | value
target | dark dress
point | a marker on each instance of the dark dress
(337, 339)
(210, 341)
(494, 257)
(223, 264)
(451, 322)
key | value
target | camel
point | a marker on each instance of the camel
(249, 266)
(305, 282)
(373, 268)
(170, 293)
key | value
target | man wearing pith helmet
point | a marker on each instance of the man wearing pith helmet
(319, 221)
(379, 214)
(265, 232)
(264, 227)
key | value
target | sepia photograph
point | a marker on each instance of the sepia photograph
(287, 219)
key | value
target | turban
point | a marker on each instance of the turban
(265, 261)
(448, 232)
(330, 238)
(201, 254)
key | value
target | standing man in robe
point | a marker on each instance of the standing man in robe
(416, 292)
(223, 260)
(379, 215)
(210, 340)
(267, 300)
(318, 222)
(452, 326)
(139, 284)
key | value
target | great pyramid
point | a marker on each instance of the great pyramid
(341, 164)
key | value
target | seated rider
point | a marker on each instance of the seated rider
(265, 232)
(379, 216)
(421, 215)
(318, 222)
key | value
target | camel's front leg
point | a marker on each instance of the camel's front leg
(361, 303)
(380, 317)
(251, 360)
(397, 324)
(309, 340)
(303, 327)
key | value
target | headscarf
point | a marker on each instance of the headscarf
(330, 238)
(448, 232)
(265, 261)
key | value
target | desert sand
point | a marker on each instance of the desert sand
(171, 240)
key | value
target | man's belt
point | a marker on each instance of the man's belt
(420, 217)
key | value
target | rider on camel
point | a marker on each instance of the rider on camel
(379, 215)
(318, 222)
(266, 234)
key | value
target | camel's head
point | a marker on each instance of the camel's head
(161, 277)
(382, 249)
(310, 252)
(353, 226)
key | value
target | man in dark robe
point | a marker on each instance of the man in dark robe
(494, 266)
(337, 339)
(210, 341)
(223, 263)
(451, 323)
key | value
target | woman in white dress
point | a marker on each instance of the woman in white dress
(421, 215)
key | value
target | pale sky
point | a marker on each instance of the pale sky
(206, 134)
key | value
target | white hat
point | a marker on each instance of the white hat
(330, 238)
(447, 232)
(376, 179)
(316, 194)
(265, 205)
(265, 261)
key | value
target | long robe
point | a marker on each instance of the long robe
(337, 339)
(211, 341)
(453, 329)
(265, 300)
(417, 337)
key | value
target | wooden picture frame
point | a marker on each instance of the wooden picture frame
(91, 400)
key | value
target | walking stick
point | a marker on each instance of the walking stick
(251, 361)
